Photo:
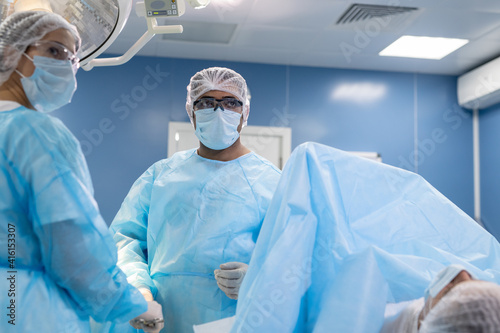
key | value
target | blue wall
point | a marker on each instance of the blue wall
(489, 124)
(121, 116)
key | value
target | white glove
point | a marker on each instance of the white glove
(151, 320)
(229, 277)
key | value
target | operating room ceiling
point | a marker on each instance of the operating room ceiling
(306, 33)
(322, 33)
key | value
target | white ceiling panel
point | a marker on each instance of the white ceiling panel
(394, 64)
(492, 36)
(351, 41)
(222, 52)
(483, 49)
(276, 38)
(297, 14)
(454, 23)
(231, 11)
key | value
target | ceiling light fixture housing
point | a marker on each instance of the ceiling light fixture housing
(100, 22)
(151, 10)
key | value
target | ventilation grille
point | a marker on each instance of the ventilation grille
(359, 12)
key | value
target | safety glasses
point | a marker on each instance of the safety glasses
(227, 103)
(55, 50)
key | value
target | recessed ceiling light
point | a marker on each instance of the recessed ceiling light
(423, 47)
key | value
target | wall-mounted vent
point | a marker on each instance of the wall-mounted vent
(360, 12)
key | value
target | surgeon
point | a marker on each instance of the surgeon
(186, 230)
(58, 260)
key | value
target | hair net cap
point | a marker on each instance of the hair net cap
(21, 29)
(218, 78)
(472, 306)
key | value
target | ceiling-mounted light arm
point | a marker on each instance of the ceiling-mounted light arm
(153, 29)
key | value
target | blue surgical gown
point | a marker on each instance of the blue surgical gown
(62, 258)
(345, 235)
(184, 217)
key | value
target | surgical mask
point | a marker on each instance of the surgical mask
(442, 279)
(52, 84)
(217, 129)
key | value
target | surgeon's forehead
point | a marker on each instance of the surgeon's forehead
(217, 94)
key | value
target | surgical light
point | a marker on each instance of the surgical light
(423, 47)
(151, 10)
(32, 5)
(100, 22)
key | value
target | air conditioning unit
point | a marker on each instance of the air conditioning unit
(480, 88)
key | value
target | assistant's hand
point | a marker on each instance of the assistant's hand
(151, 320)
(229, 277)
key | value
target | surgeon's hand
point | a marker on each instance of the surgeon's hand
(151, 320)
(229, 277)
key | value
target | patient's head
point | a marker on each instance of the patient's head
(466, 306)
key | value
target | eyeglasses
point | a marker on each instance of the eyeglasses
(55, 50)
(227, 103)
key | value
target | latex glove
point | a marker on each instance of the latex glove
(151, 320)
(229, 277)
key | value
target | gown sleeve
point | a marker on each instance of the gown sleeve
(129, 229)
(76, 248)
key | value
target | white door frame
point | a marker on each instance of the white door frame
(285, 133)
